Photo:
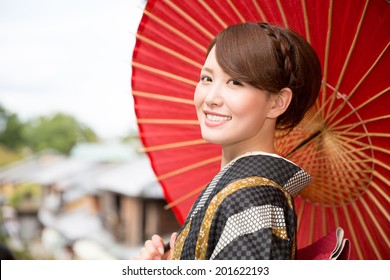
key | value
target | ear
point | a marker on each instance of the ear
(280, 103)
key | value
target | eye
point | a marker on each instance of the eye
(235, 83)
(206, 79)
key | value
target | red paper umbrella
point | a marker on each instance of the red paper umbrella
(343, 143)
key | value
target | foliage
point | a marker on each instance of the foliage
(11, 130)
(60, 132)
(25, 191)
(7, 156)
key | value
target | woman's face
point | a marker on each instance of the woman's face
(230, 113)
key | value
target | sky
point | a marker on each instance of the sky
(70, 56)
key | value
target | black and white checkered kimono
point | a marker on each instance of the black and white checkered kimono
(246, 212)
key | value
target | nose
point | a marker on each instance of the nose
(214, 96)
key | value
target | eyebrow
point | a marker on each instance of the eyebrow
(208, 69)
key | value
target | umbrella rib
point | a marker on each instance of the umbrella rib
(188, 168)
(362, 144)
(352, 231)
(234, 8)
(347, 97)
(300, 214)
(280, 6)
(260, 11)
(190, 19)
(311, 230)
(184, 197)
(377, 203)
(327, 50)
(350, 126)
(163, 97)
(169, 51)
(173, 145)
(384, 180)
(306, 19)
(177, 32)
(346, 62)
(366, 231)
(164, 73)
(371, 134)
(213, 14)
(168, 121)
(324, 225)
(380, 163)
(336, 216)
(375, 221)
(355, 109)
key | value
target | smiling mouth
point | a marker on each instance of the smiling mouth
(215, 118)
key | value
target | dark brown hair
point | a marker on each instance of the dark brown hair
(271, 58)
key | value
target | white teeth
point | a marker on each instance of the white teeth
(215, 118)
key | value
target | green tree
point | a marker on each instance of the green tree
(11, 130)
(60, 132)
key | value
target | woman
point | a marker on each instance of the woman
(257, 78)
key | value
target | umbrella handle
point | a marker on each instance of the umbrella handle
(167, 247)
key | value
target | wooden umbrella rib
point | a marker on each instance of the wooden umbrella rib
(312, 223)
(335, 216)
(350, 126)
(339, 108)
(188, 168)
(306, 20)
(370, 134)
(190, 19)
(368, 101)
(173, 145)
(168, 121)
(168, 50)
(213, 14)
(380, 149)
(281, 10)
(260, 11)
(378, 204)
(300, 213)
(345, 141)
(184, 197)
(163, 97)
(175, 31)
(380, 163)
(236, 11)
(353, 233)
(164, 73)
(324, 224)
(327, 50)
(375, 221)
(384, 180)
(346, 62)
(355, 152)
(366, 231)
(341, 163)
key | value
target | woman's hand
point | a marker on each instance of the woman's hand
(154, 249)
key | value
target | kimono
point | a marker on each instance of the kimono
(246, 212)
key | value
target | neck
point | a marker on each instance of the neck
(231, 152)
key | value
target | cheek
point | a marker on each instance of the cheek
(198, 97)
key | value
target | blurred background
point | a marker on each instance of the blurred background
(73, 182)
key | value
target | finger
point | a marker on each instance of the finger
(150, 251)
(173, 240)
(158, 243)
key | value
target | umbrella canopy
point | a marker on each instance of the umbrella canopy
(343, 142)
